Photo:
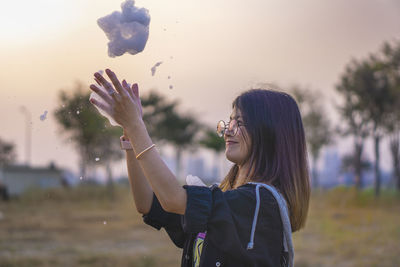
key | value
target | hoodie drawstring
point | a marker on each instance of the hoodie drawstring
(250, 245)
(284, 212)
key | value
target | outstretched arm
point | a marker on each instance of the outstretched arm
(141, 190)
(169, 192)
(126, 112)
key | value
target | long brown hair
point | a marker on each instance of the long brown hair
(278, 149)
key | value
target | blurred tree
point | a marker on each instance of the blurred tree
(355, 119)
(95, 140)
(317, 127)
(212, 141)
(180, 131)
(378, 101)
(155, 108)
(166, 125)
(368, 87)
(7, 153)
(348, 164)
(391, 58)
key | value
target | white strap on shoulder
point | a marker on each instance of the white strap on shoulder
(284, 212)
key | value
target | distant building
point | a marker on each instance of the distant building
(19, 178)
(330, 175)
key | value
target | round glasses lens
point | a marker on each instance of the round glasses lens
(221, 128)
(233, 127)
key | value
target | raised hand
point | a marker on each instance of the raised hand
(123, 102)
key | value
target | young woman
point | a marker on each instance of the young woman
(248, 219)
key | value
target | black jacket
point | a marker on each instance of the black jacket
(227, 217)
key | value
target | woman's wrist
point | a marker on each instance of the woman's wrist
(124, 136)
(125, 143)
(134, 128)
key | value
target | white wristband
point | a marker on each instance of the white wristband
(125, 144)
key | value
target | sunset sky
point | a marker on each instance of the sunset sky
(212, 50)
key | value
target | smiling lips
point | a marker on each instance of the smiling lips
(229, 143)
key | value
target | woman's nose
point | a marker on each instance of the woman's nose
(229, 131)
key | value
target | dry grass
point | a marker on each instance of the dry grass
(85, 227)
(350, 228)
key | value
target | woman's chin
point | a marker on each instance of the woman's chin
(231, 157)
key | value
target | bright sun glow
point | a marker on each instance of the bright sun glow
(27, 19)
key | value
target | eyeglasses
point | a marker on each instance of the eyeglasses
(222, 127)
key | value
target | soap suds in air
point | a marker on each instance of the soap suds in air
(43, 116)
(127, 31)
(154, 68)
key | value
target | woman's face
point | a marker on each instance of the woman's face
(237, 145)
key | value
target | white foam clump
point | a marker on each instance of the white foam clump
(127, 31)
(154, 68)
(194, 180)
(43, 116)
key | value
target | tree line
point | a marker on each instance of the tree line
(369, 107)
(94, 137)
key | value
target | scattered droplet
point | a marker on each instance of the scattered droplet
(154, 68)
(97, 159)
(77, 112)
(104, 222)
(81, 178)
(43, 116)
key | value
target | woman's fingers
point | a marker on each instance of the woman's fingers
(135, 89)
(127, 88)
(106, 97)
(105, 84)
(116, 83)
(97, 81)
(102, 106)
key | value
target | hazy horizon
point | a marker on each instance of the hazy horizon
(212, 50)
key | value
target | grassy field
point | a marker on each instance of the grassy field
(83, 226)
